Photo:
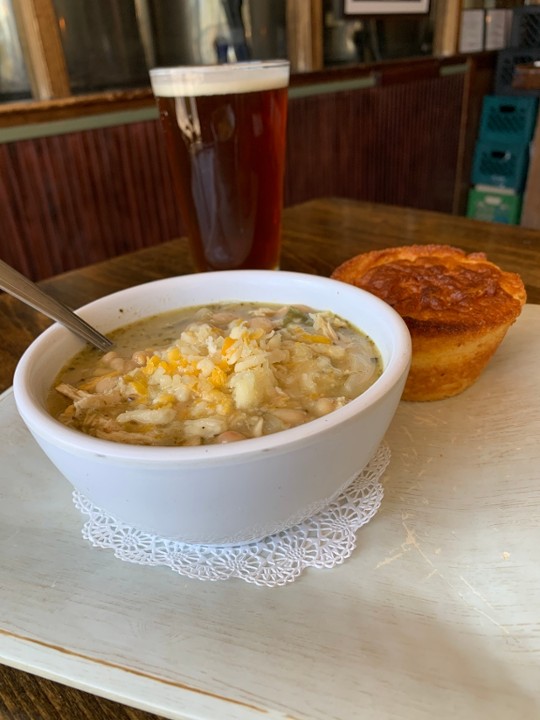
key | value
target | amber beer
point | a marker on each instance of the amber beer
(224, 129)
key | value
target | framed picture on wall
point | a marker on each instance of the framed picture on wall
(384, 7)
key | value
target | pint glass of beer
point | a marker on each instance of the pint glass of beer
(224, 128)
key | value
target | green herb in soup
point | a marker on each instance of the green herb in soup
(215, 374)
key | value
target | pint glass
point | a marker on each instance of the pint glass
(224, 128)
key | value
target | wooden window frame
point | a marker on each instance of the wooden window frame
(42, 49)
(52, 98)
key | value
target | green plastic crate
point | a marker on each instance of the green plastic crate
(493, 206)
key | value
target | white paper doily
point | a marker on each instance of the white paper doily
(323, 541)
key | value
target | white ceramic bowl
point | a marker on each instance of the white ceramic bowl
(220, 494)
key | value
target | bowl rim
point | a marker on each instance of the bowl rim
(44, 425)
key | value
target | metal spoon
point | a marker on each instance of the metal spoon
(20, 287)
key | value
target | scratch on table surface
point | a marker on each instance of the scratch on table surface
(416, 483)
(410, 539)
(389, 559)
(409, 434)
(476, 592)
(479, 610)
(409, 542)
(487, 616)
(429, 420)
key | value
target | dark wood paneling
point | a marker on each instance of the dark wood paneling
(394, 144)
(75, 199)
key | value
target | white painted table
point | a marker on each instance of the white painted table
(436, 614)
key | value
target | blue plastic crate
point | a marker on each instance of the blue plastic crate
(500, 164)
(508, 118)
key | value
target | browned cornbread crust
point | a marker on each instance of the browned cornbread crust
(457, 307)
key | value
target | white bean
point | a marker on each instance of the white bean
(109, 357)
(323, 406)
(290, 415)
(230, 436)
(117, 364)
(140, 357)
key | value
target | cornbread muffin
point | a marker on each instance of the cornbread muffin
(457, 307)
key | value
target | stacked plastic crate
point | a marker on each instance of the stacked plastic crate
(507, 124)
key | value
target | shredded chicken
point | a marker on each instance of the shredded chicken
(234, 372)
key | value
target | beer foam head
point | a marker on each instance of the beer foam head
(219, 79)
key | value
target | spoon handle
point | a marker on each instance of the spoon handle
(19, 286)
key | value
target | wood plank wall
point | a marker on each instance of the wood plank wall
(71, 200)
(394, 144)
(75, 199)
